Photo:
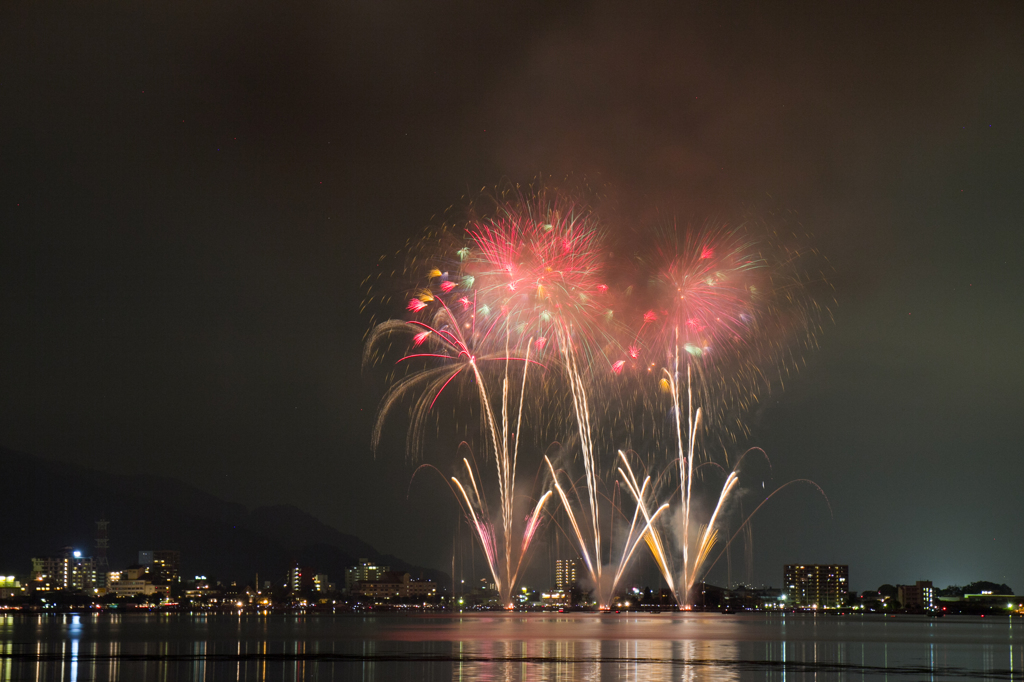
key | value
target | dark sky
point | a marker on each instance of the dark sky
(191, 193)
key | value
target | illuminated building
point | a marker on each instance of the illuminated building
(133, 581)
(395, 584)
(70, 571)
(565, 574)
(322, 584)
(9, 586)
(300, 579)
(204, 590)
(164, 564)
(919, 596)
(816, 585)
(366, 571)
(556, 599)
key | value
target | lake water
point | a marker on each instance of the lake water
(510, 647)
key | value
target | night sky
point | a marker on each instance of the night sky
(192, 192)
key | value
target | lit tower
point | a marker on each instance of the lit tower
(102, 543)
(565, 574)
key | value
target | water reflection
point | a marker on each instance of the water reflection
(534, 648)
(74, 633)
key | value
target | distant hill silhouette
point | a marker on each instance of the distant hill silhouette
(977, 587)
(47, 505)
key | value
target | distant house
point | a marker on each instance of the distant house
(394, 584)
(917, 597)
(133, 581)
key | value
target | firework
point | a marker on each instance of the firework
(442, 340)
(523, 297)
(716, 309)
(519, 287)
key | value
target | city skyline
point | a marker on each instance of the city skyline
(69, 579)
(78, 563)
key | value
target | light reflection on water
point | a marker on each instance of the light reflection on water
(509, 648)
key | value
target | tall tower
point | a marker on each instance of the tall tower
(102, 544)
(565, 574)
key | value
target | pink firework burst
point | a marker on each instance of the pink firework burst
(703, 286)
(537, 260)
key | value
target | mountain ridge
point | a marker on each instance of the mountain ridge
(50, 505)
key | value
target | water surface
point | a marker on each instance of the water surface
(509, 647)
